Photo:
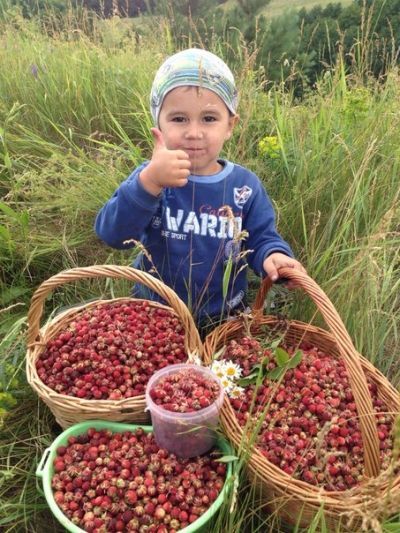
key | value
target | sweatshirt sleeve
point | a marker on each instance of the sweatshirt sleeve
(127, 214)
(263, 237)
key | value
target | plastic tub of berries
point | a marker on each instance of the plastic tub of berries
(94, 360)
(184, 401)
(317, 419)
(100, 475)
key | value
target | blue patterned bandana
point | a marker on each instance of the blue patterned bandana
(194, 67)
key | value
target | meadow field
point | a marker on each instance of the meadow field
(278, 7)
(74, 122)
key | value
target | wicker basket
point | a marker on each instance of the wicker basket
(295, 501)
(70, 410)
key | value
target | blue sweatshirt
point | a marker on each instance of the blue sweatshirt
(191, 232)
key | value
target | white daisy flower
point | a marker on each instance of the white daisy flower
(218, 369)
(216, 365)
(236, 392)
(232, 370)
(227, 384)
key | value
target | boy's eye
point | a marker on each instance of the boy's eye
(210, 118)
(178, 119)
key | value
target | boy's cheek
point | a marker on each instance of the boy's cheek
(171, 141)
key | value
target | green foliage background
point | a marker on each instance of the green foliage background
(295, 45)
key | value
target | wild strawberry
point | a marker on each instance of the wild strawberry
(185, 391)
(59, 465)
(159, 513)
(131, 497)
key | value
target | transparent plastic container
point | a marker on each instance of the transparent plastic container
(185, 434)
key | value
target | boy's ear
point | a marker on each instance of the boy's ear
(233, 120)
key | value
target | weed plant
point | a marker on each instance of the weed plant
(74, 122)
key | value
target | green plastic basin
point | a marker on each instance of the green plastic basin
(45, 471)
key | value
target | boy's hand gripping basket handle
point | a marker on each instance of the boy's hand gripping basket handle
(358, 382)
(192, 339)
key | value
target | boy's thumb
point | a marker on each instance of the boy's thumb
(158, 138)
(273, 274)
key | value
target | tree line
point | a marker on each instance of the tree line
(296, 47)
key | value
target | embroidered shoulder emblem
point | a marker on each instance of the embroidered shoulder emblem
(240, 196)
(156, 221)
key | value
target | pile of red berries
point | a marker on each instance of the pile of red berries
(110, 351)
(107, 482)
(307, 423)
(185, 391)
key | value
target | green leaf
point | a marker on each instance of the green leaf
(227, 459)
(296, 359)
(274, 344)
(277, 373)
(8, 211)
(248, 380)
(282, 357)
(251, 378)
(227, 277)
(257, 372)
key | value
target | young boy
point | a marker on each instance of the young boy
(199, 217)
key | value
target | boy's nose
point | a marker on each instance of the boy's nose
(193, 131)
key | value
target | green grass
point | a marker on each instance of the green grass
(74, 121)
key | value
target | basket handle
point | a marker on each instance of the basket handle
(358, 382)
(192, 337)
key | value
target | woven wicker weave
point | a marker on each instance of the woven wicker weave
(69, 410)
(350, 510)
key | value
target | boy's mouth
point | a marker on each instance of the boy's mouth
(193, 150)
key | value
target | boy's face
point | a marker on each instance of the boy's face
(197, 121)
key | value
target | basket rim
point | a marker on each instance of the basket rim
(192, 336)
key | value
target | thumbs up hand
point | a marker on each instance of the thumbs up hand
(167, 168)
